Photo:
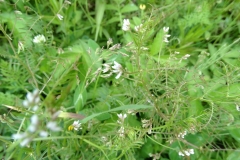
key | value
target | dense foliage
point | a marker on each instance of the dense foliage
(119, 79)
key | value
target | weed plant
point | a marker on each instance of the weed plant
(119, 79)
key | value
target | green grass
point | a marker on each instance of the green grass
(176, 95)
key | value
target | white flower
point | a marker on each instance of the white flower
(34, 123)
(191, 151)
(77, 125)
(165, 29)
(117, 69)
(19, 136)
(186, 56)
(35, 108)
(53, 126)
(34, 119)
(237, 107)
(24, 138)
(166, 38)
(187, 152)
(43, 134)
(121, 117)
(104, 138)
(25, 142)
(60, 17)
(138, 28)
(126, 25)
(182, 134)
(18, 12)
(39, 39)
(32, 99)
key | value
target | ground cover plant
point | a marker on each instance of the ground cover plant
(119, 79)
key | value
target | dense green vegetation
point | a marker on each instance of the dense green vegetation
(119, 79)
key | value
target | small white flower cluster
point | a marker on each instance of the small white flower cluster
(77, 125)
(126, 25)
(166, 35)
(32, 100)
(155, 156)
(116, 68)
(192, 129)
(139, 28)
(147, 124)
(105, 140)
(187, 152)
(39, 39)
(121, 118)
(27, 137)
(121, 122)
(121, 131)
(182, 134)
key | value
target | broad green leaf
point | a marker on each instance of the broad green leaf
(80, 97)
(126, 107)
(111, 7)
(129, 8)
(113, 20)
(225, 92)
(234, 154)
(157, 44)
(100, 8)
(68, 58)
(235, 133)
(136, 20)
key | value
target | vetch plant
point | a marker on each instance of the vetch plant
(35, 128)
(176, 100)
